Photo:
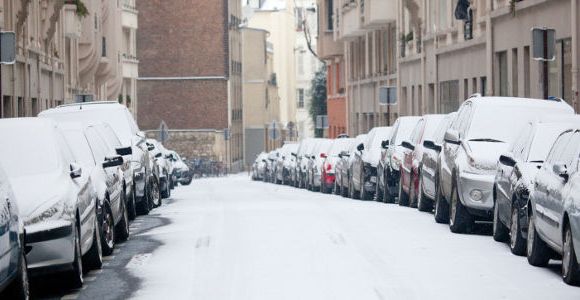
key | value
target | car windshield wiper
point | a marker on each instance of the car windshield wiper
(486, 140)
(537, 161)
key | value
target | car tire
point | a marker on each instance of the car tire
(422, 203)
(517, 241)
(122, 228)
(19, 288)
(364, 194)
(500, 231)
(537, 251)
(75, 277)
(570, 268)
(379, 194)
(441, 211)
(344, 191)
(155, 193)
(403, 197)
(353, 193)
(107, 229)
(93, 259)
(132, 206)
(460, 221)
(387, 194)
(412, 194)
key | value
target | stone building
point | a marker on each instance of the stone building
(64, 53)
(190, 76)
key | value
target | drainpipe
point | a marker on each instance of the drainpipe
(489, 51)
(575, 54)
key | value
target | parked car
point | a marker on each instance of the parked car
(514, 180)
(60, 213)
(315, 163)
(345, 162)
(554, 219)
(483, 130)
(284, 162)
(270, 170)
(363, 174)
(393, 156)
(126, 129)
(259, 166)
(429, 192)
(103, 168)
(161, 167)
(13, 269)
(181, 170)
(330, 160)
(302, 157)
(409, 175)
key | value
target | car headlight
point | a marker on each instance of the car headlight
(53, 209)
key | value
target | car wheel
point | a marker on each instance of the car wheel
(19, 288)
(155, 193)
(441, 213)
(387, 194)
(570, 268)
(75, 276)
(379, 194)
(412, 193)
(94, 257)
(344, 190)
(422, 203)
(460, 221)
(403, 197)
(122, 229)
(132, 207)
(517, 241)
(353, 193)
(364, 194)
(537, 251)
(107, 230)
(500, 231)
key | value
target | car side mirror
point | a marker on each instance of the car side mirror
(561, 170)
(323, 155)
(294, 154)
(75, 170)
(408, 145)
(431, 145)
(113, 161)
(150, 147)
(360, 147)
(452, 137)
(507, 159)
(385, 144)
(263, 160)
(125, 151)
(313, 157)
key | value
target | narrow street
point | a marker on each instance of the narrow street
(231, 238)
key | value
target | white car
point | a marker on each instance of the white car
(56, 201)
(483, 130)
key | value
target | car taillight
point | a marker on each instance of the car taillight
(328, 167)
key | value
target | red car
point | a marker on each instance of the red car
(413, 156)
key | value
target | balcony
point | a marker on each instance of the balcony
(129, 15)
(350, 22)
(327, 46)
(377, 13)
(72, 22)
(130, 66)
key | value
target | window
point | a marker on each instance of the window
(560, 71)
(34, 107)
(526, 71)
(502, 73)
(558, 148)
(483, 85)
(515, 72)
(570, 153)
(329, 11)
(300, 98)
(443, 11)
(21, 108)
(7, 107)
(299, 19)
(448, 96)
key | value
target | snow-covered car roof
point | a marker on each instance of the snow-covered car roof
(339, 145)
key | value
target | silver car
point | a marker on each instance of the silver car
(315, 163)
(56, 198)
(483, 130)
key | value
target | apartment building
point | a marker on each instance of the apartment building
(332, 52)
(444, 60)
(190, 76)
(368, 31)
(65, 53)
(278, 18)
(261, 103)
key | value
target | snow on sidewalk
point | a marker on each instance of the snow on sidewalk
(231, 238)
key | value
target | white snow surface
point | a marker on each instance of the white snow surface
(236, 239)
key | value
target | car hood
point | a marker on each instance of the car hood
(372, 157)
(486, 154)
(33, 191)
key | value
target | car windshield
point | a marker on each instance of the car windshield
(498, 124)
(31, 151)
(339, 145)
(543, 141)
(404, 130)
(122, 124)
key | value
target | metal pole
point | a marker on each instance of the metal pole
(545, 66)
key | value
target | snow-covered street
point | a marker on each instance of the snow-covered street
(231, 238)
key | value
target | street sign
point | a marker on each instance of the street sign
(543, 44)
(163, 132)
(387, 95)
(273, 131)
(7, 47)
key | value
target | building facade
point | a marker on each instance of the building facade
(261, 103)
(332, 52)
(190, 79)
(65, 53)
